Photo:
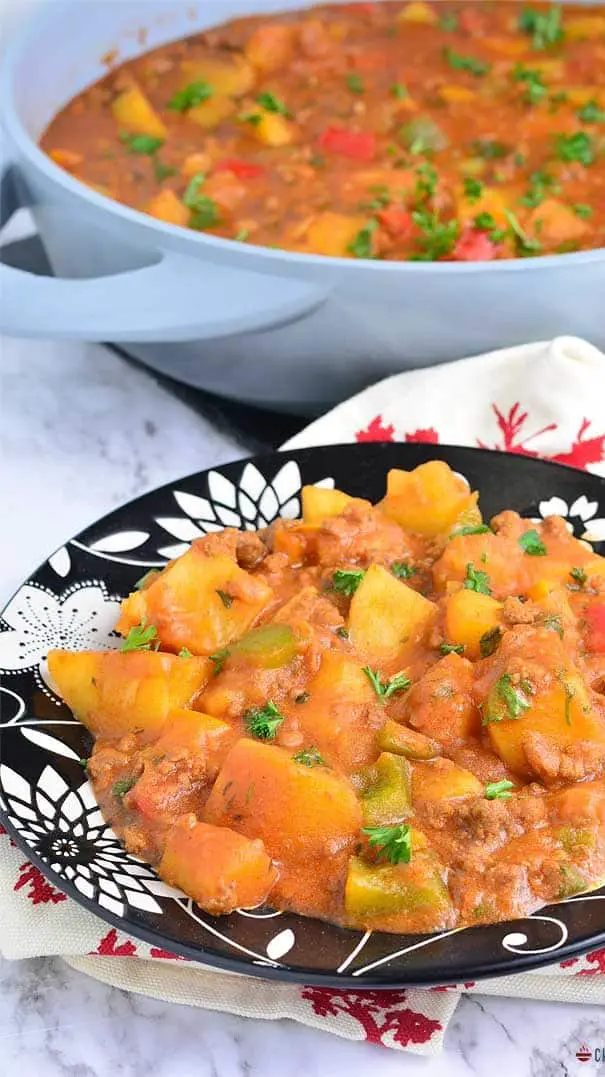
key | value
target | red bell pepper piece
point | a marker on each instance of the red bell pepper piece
(474, 246)
(359, 145)
(595, 621)
(397, 222)
(241, 169)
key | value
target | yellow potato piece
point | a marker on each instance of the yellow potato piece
(492, 200)
(232, 77)
(579, 27)
(468, 616)
(273, 129)
(211, 112)
(556, 222)
(167, 207)
(428, 500)
(457, 94)
(135, 113)
(387, 618)
(333, 233)
(418, 11)
(318, 504)
(440, 779)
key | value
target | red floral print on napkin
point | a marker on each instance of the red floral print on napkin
(378, 1013)
(40, 891)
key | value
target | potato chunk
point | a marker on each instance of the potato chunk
(134, 111)
(428, 500)
(318, 504)
(469, 616)
(387, 619)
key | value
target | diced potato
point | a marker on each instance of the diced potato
(494, 200)
(508, 569)
(211, 112)
(135, 113)
(333, 233)
(387, 618)
(551, 70)
(271, 47)
(342, 716)
(441, 779)
(556, 222)
(406, 898)
(318, 503)
(456, 95)
(418, 11)
(580, 27)
(386, 795)
(67, 159)
(273, 129)
(232, 76)
(199, 602)
(219, 869)
(195, 163)
(394, 737)
(199, 735)
(581, 95)
(167, 207)
(468, 616)
(260, 785)
(441, 703)
(582, 804)
(113, 693)
(427, 500)
(506, 46)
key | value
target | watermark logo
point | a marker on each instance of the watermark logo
(584, 1053)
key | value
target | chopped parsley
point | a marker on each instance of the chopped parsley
(514, 700)
(490, 149)
(439, 237)
(569, 694)
(399, 91)
(242, 235)
(576, 147)
(531, 543)
(219, 660)
(342, 632)
(540, 183)
(579, 576)
(363, 244)
(583, 211)
(385, 689)
(449, 22)
(403, 570)
(466, 63)
(498, 790)
(192, 190)
(426, 185)
(525, 244)
(271, 103)
(477, 580)
(535, 90)
(553, 623)
(471, 529)
(345, 581)
(591, 113)
(146, 579)
(194, 94)
(489, 641)
(185, 653)
(225, 598)
(163, 171)
(317, 161)
(120, 788)
(142, 144)
(355, 83)
(544, 27)
(250, 117)
(309, 757)
(485, 222)
(142, 637)
(473, 189)
(451, 648)
(393, 842)
(263, 722)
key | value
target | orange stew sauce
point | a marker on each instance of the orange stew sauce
(388, 717)
(395, 131)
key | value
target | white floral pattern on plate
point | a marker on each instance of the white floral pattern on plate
(581, 516)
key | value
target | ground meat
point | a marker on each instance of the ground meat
(251, 549)
(362, 536)
(516, 612)
(219, 542)
(508, 524)
(309, 605)
(553, 762)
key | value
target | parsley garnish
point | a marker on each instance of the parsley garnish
(399, 91)
(163, 171)
(591, 113)
(403, 570)
(345, 581)
(473, 189)
(242, 235)
(144, 580)
(384, 690)
(438, 237)
(544, 28)
(393, 842)
(219, 660)
(476, 580)
(579, 576)
(355, 83)
(205, 214)
(524, 243)
(309, 757)
(120, 788)
(342, 632)
(498, 790)
(250, 117)
(576, 147)
(143, 144)
(225, 598)
(536, 90)
(466, 63)
(489, 641)
(192, 190)
(363, 244)
(569, 694)
(582, 211)
(449, 22)
(451, 648)
(194, 94)
(489, 149)
(263, 722)
(426, 184)
(470, 529)
(553, 622)
(531, 543)
(185, 653)
(540, 184)
(513, 698)
(271, 103)
(84, 763)
(141, 637)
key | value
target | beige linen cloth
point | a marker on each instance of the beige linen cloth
(545, 399)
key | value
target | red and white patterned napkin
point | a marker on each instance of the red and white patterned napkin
(545, 399)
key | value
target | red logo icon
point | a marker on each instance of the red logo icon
(584, 1054)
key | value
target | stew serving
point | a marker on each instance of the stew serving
(400, 131)
(388, 717)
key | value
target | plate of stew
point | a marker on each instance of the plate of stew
(334, 714)
(422, 131)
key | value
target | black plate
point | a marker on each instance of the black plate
(48, 805)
